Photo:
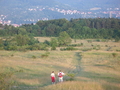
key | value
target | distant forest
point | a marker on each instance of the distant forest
(101, 28)
(22, 38)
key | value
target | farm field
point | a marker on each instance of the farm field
(96, 66)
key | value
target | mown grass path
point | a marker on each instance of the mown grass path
(75, 68)
(78, 64)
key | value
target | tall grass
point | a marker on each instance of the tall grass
(75, 85)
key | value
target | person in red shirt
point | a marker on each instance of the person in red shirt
(53, 77)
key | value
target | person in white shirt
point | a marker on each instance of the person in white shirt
(53, 77)
(60, 76)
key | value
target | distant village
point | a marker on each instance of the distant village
(110, 12)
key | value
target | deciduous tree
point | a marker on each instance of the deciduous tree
(64, 38)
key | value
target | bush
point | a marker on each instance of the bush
(12, 55)
(97, 40)
(45, 55)
(96, 47)
(53, 48)
(71, 76)
(21, 48)
(86, 49)
(68, 48)
(89, 41)
(34, 57)
(114, 54)
(37, 46)
(106, 45)
(47, 42)
(1, 48)
(5, 81)
(12, 47)
(118, 50)
(75, 45)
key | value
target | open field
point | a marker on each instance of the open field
(94, 69)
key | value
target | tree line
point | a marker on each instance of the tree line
(107, 28)
(16, 38)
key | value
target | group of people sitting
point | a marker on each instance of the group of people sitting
(60, 76)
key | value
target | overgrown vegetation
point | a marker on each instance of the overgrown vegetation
(114, 54)
(26, 42)
(71, 76)
(5, 81)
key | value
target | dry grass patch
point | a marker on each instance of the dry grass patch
(42, 39)
(29, 81)
(34, 71)
(101, 66)
(75, 85)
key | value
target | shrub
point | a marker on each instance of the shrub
(86, 49)
(5, 81)
(106, 45)
(114, 54)
(89, 41)
(68, 48)
(96, 47)
(71, 76)
(21, 48)
(97, 40)
(1, 48)
(46, 42)
(81, 44)
(75, 45)
(34, 57)
(53, 48)
(45, 55)
(118, 50)
(12, 55)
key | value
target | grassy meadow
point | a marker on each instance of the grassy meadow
(95, 65)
